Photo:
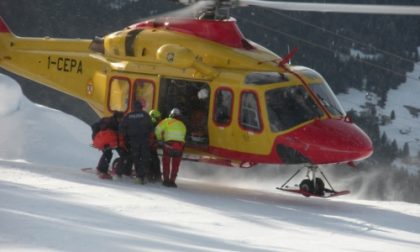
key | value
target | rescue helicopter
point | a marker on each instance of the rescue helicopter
(243, 104)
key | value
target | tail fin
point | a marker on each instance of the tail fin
(5, 35)
(3, 26)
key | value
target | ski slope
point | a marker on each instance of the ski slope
(48, 204)
(403, 129)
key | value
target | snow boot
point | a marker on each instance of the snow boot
(166, 183)
(103, 175)
(172, 184)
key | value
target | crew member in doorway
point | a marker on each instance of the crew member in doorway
(155, 173)
(198, 120)
(136, 128)
(172, 132)
(106, 138)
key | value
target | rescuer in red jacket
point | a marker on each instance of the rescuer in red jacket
(105, 137)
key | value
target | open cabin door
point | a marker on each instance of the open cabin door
(192, 98)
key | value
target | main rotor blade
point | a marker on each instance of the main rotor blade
(341, 8)
(185, 12)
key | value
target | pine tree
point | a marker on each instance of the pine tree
(392, 115)
(406, 150)
(393, 151)
(384, 139)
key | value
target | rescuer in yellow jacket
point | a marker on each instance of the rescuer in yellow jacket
(172, 132)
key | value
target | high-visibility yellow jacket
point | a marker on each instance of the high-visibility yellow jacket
(171, 129)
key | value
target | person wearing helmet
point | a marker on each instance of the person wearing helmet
(136, 128)
(106, 138)
(155, 173)
(155, 116)
(172, 132)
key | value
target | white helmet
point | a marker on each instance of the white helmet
(203, 94)
(175, 112)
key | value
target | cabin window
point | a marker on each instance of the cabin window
(119, 94)
(250, 117)
(223, 106)
(144, 91)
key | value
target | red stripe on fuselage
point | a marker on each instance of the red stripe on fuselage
(328, 141)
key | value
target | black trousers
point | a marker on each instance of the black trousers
(154, 164)
(140, 156)
(106, 158)
(124, 164)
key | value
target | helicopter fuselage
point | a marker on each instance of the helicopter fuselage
(239, 104)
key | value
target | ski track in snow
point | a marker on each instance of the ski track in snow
(66, 209)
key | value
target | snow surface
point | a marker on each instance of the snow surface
(48, 204)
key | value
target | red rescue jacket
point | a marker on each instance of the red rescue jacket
(108, 138)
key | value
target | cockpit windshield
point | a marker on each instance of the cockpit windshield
(290, 106)
(327, 98)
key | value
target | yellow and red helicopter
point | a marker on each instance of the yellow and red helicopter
(243, 104)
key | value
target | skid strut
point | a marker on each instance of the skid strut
(312, 185)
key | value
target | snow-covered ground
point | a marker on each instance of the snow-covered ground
(48, 204)
(405, 128)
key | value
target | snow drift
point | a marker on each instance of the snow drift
(36, 134)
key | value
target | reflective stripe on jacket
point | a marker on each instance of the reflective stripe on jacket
(171, 129)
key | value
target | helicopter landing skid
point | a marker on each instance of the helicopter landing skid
(307, 194)
(312, 185)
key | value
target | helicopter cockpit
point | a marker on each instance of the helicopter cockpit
(290, 106)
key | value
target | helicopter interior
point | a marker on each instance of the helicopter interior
(193, 99)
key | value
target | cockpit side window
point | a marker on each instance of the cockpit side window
(327, 98)
(250, 115)
(290, 106)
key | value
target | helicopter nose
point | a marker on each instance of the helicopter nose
(326, 141)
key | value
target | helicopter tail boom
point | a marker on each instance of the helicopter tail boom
(61, 64)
